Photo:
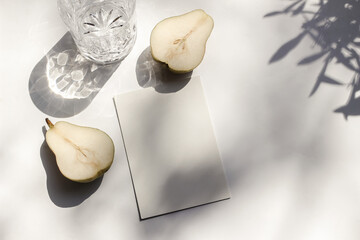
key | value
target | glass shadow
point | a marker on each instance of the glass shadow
(63, 83)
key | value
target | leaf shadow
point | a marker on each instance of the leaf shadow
(334, 27)
(352, 107)
(286, 48)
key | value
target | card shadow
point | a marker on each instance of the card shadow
(63, 192)
(63, 83)
(151, 73)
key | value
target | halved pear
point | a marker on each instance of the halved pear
(82, 153)
(180, 41)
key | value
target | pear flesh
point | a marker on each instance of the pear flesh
(82, 153)
(180, 41)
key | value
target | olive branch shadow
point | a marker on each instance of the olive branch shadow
(334, 26)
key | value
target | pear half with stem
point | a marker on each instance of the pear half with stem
(180, 41)
(82, 153)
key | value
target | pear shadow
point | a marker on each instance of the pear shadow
(63, 83)
(151, 73)
(63, 192)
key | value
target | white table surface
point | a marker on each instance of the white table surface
(292, 163)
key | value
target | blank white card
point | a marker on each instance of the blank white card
(171, 149)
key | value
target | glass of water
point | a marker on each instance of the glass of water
(103, 30)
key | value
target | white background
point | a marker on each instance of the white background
(292, 163)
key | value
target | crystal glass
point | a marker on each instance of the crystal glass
(103, 30)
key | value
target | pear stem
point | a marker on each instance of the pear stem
(49, 123)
